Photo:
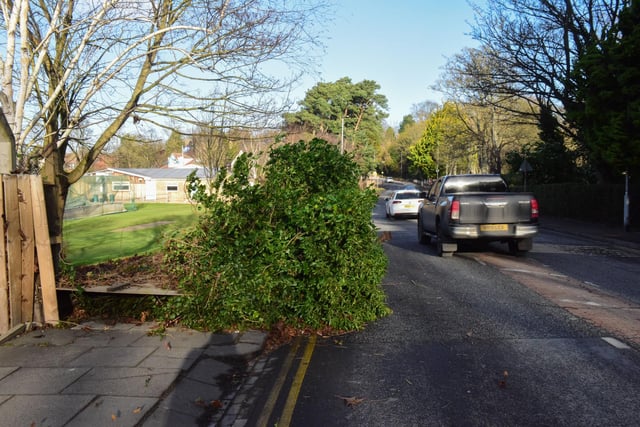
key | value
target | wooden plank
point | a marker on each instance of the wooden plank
(12, 333)
(132, 290)
(14, 248)
(43, 249)
(4, 281)
(28, 249)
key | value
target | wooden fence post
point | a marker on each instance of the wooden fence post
(14, 247)
(4, 279)
(25, 207)
(43, 249)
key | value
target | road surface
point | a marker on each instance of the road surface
(482, 338)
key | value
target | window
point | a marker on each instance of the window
(172, 187)
(408, 195)
(434, 191)
(120, 186)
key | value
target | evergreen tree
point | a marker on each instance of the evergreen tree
(608, 76)
(350, 112)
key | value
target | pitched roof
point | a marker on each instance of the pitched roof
(159, 173)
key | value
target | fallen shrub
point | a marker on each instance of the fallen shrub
(298, 248)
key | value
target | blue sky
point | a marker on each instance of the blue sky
(400, 44)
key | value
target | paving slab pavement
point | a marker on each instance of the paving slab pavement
(123, 375)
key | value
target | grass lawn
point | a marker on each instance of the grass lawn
(135, 232)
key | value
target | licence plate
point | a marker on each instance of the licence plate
(409, 206)
(494, 227)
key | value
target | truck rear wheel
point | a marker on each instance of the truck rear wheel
(520, 246)
(422, 238)
(444, 246)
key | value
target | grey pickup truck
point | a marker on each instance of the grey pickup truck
(477, 207)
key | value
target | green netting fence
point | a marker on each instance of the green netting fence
(99, 195)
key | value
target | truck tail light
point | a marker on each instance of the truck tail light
(534, 209)
(455, 210)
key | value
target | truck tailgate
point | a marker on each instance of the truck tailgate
(495, 208)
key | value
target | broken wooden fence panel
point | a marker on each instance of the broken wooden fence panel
(26, 265)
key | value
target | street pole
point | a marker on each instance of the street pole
(524, 168)
(626, 201)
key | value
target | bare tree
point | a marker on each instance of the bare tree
(496, 120)
(72, 66)
(215, 144)
(531, 47)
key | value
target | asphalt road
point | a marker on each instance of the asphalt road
(466, 345)
(611, 269)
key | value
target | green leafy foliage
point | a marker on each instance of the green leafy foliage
(608, 111)
(327, 104)
(352, 111)
(549, 159)
(299, 248)
(444, 142)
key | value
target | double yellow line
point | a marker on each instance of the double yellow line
(296, 385)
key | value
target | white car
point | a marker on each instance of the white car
(403, 203)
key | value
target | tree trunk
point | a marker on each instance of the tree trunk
(56, 187)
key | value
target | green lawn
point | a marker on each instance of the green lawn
(96, 239)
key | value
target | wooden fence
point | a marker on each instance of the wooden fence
(587, 202)
(27, 278)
